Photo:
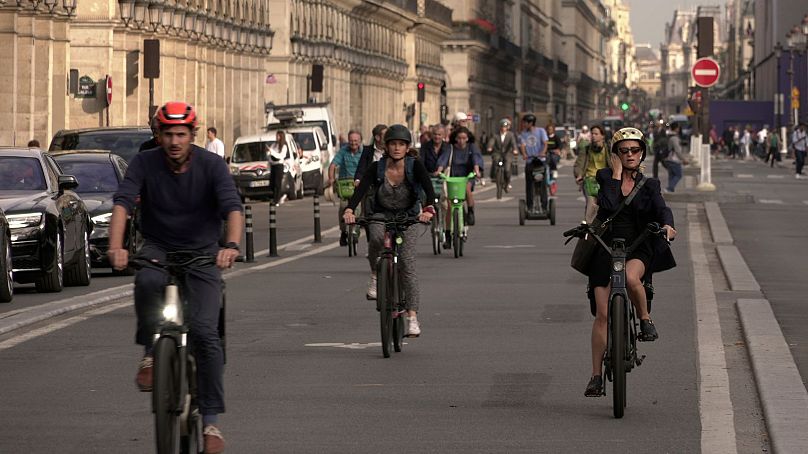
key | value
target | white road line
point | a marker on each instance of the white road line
(715, 404)
(771, 201)
(16, 340)
(494, 200)
(745, 175)
(776, 177)
(581, 199)
(805, 202)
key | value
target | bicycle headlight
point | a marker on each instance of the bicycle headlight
(21, 221)
(455, 201)
(170, 312)
(102, 220)
(617, 266)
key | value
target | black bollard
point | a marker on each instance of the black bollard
(248, 228)
(273, 239)
(317, 237)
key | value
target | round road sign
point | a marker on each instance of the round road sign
(109, 90)
(705, 72)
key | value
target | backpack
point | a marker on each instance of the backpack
(409, 180)
(662, 148)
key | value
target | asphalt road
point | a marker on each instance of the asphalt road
(501, 365)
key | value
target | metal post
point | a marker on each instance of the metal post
(273, 239)
(248, 223)
(317, 237)
(705, 178)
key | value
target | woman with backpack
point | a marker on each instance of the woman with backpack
(463, 158)
(394, 184)
(592, 157)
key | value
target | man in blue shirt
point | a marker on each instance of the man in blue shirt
(185, 193)
(347, 159)
(533, 144)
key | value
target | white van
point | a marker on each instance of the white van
(296, 115)
(314, 155)
(248, 165)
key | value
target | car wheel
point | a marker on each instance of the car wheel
(52, 281)
(80, 273)
(7, 283)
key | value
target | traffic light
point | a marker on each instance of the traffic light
(624, 106)
(421, 92)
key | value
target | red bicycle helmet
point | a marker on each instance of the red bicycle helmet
(177, 113)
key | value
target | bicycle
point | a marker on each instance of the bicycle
(514, 165)
(390, 297)
(541, 179)
(437, 224)
(456, 194)
(177, 419)
(345, 190)
(622, 324)
(499, 174)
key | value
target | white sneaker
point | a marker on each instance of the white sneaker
(798, 176)
(371, 294)
(283, 198)
(414, 329)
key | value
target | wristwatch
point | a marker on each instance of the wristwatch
(231, 245)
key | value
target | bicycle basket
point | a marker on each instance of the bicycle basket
(437, 186)
(456, 187)
(345, 188)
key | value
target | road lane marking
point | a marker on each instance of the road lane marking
(504, 199)
(16, 340)
(805, 202)
(745, 175)
(509, 246)
(715, 403)
(351, 346)
(776, 177)
(771, 201)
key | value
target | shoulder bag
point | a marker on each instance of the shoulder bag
(586, 246)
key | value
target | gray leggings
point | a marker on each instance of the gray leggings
(406, 260)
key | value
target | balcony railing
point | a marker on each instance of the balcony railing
(510, 48)
(467, 31)
(438, 12)
(406, 5)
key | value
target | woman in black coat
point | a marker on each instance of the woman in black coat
(627, 153)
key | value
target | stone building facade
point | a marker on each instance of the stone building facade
(374, 53)
(212, 54)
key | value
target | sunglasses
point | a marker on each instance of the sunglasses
(632, 150)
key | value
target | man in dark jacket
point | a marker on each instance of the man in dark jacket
(372, 152)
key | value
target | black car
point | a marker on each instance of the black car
(50, 225)
(98, 173)
(6, 273)
(124, 141)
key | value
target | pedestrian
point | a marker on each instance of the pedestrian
(33, 143)
(279, 154)
(726, 139)
(592, 156)
(554, 146)
(798, 142)
(424, 135)
(736, 141)
(714, 140)
(746, 141)
(661, 148)
(761, 144)
(773, 154)
(675, 158)
(347, 159)
(503, 146)
(214, 145)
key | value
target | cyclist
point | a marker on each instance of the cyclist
(185, 193)
(627, 153)
(372, 152)
(503, 146)
(464, 157)
(592, 157)
(347, 159)
(432, 151)
(394, 182)
(533, 145)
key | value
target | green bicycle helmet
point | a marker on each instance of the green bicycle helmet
(398, 132)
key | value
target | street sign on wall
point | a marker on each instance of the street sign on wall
(86, 87)
(705, 72)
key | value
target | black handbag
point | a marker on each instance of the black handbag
(585, 247)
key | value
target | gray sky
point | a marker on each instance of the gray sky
(648, 17)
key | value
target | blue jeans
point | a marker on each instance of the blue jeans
(800, 157)
(674, 174)
(203, 290)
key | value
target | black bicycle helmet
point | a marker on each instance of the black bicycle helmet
(398, 132)
(529, 118)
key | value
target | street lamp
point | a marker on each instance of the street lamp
(35, 3)
(127, 8)
(178, 23)
(167, 16)
(190, 20)
(155, 13)
(69, 7)
(51, 5)
(140, 13)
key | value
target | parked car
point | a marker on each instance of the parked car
(50, 225)
(314, 156)
(248, 165)
(6, 270)
(124, 141)
(99, 173)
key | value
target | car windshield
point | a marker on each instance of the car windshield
(93, 176)
(305, 140)
(250, 152)
(21, 174)
(123, 143)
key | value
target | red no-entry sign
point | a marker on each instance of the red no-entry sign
(109, 90)
(705, 72)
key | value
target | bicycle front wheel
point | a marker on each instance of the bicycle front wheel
(384, 300)
(165, 396)
(618, 354)
(456, 232)
(500, 181)
(435, 235)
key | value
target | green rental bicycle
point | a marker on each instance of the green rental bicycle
(456, 195)
(345, 190)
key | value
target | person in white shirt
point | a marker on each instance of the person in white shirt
(799, 141)
(278, 155)
(215, 145)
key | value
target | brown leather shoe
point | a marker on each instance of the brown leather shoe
(214, 441)
(145, 373)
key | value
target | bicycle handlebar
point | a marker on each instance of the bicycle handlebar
(190, 260)
(397, 219)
